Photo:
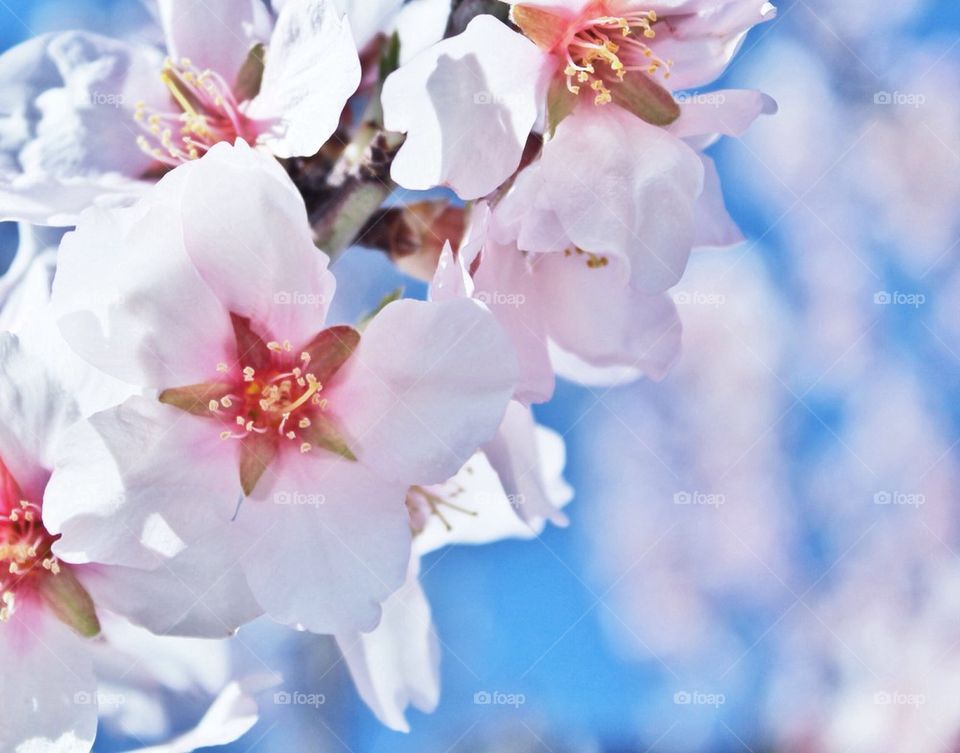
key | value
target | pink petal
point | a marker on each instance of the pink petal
(625, 188)
(48, 701)
(704, 35)
(330, 541)
(209, 33)
(505, 284)
(129, 300)
(428, 384)
(606, 323)
(715, 227)
(245, 228)
(529, 464)
(728, 112)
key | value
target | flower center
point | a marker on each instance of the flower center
(281, 398)
(25, 544)
(208, 112)
(594, 59)
(272, 397)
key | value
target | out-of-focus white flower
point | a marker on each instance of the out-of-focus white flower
(92, 120)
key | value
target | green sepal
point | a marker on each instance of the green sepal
(257, 451)
(69, 601)
(323, 433)
(640, 94)
(195, 398)
(393, 295)
(329, 350)
(250, 76)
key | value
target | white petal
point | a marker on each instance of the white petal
(135, 484)
(233, 713)
(48, 200)
(34, 412)
(312, 70)
(91, 389)
(398, 664)
(367, 17)
(68, 138)
(467, 105)
(420, 23)
(199, 593)
(489, 513)
(329, 542)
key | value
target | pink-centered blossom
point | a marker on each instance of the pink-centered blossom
(51, 609)
(575, 256)
(468, 103)
(95, 120)
(271, 439)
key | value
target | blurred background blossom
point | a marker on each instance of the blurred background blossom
(763, 552)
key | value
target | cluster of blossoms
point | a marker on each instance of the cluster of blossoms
(191, 439)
